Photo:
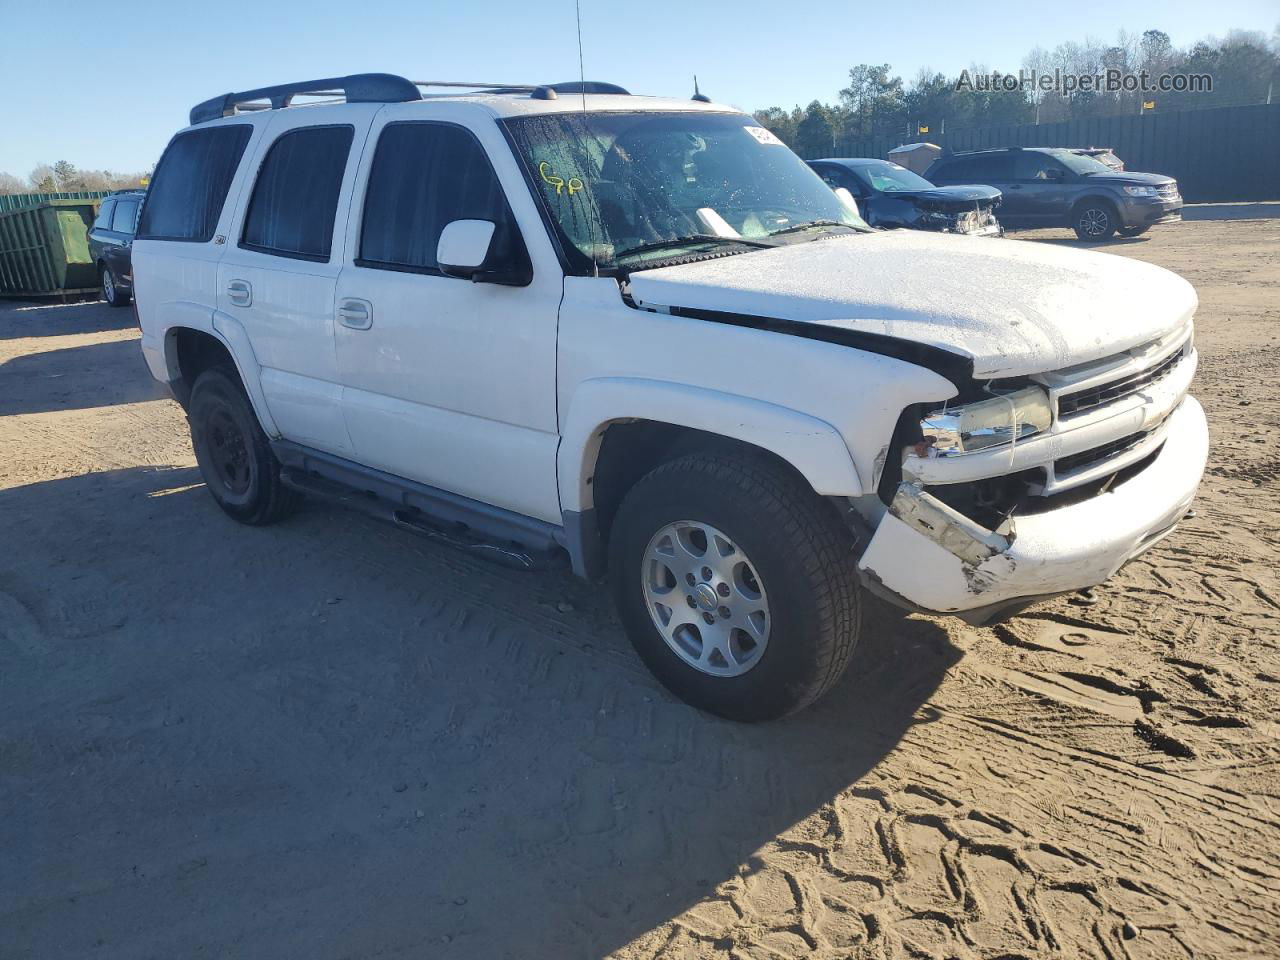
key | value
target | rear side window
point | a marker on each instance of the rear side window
(190, 185)
(125, 217)
(423, 176)
(296, 197)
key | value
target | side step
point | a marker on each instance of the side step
(510, 539)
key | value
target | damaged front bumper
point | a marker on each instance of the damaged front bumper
(926, 556)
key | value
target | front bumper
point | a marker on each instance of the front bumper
(959, 568)
(1148, 211)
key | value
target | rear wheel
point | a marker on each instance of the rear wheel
(736, 585)
(1133, 231)
(234, 455)
(111, 291)
(1094, 221)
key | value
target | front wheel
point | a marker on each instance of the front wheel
(233, 453)
(736, 584)
(1094, 221)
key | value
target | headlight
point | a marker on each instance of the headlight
(985, 424)
(1141, 191)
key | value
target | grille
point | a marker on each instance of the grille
(1088, 458)
(1168, 190)
(1082, 401)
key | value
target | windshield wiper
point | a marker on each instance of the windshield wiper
(812, 223)
(690, 239)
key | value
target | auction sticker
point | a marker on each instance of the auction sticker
(764, 135)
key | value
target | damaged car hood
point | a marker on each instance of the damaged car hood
(1012, 307)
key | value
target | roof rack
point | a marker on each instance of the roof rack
(377, 88)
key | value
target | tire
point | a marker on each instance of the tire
(111, 291)
(785, 549)
(1094, 221)
(235, 458)
(1133, 231)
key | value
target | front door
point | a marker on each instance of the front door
(284, 253)
(1040, 187)
(448, 382)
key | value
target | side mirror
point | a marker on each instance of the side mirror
(464, 246)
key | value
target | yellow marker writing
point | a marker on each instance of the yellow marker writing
(575, 183)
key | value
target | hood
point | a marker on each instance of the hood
(964, 196)
(1121, 177)
(1013, 307)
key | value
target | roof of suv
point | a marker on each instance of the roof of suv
(502, 100)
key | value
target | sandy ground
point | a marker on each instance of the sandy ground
(330, 739)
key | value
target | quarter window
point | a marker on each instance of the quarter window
(423, 176)
(190, 185)
(125, 217)
(293, 205)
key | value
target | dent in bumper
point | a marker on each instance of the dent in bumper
(923, 556)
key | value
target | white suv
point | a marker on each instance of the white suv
(639, 332)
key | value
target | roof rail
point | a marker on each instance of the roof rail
(357, 88)
(567, 87)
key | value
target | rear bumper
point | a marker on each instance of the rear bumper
(959, 568)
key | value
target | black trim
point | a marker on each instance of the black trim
(953, 366)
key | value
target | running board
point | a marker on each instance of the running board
(500, 535)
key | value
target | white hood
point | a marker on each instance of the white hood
(1013, 306)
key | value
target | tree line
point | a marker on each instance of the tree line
(64, 177)
(1244, 67)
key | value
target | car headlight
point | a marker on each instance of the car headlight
(1141, 191)
(985, 424)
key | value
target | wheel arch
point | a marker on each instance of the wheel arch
(190, 349)
(618, 429)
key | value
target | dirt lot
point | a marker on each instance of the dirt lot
(330, 739)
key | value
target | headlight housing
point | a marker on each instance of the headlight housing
(985, 424)
(1141, 191)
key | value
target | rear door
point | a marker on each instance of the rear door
(124, 221)
(284, 253)
(449, 382)
(100, 238)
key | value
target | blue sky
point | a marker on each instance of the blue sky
(105, 85)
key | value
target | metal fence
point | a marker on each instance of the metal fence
(1217, 155)
(18, 200)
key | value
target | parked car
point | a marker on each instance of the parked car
(640, 334)
(1050, 187)
(111, 242)
(889, 195)
(1104, 155)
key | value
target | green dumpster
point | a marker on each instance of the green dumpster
(44, 249)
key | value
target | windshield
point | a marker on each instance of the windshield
(1078, 164)
(891, 178)
(625, 190)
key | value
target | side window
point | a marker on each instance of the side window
(1031, 165)
(125, 217)
(423, 176)
(296, 197)
(104, 215)
(190, 185)
(996, 166)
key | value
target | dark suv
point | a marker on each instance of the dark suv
(1049, 187)
(111, 241)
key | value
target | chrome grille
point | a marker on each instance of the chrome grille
(1082, 401)
(1064, 466)
(1168, 190)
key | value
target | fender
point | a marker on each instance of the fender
(231, 334)
(814, 447)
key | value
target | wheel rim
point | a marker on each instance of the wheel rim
(705, 598)
(108, 286)
(228, 452)
(1094, 222)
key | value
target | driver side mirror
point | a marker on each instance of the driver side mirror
(464, 247)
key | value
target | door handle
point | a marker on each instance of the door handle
(356, 314)
(240, 293)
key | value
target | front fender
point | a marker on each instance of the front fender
(814, 447)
